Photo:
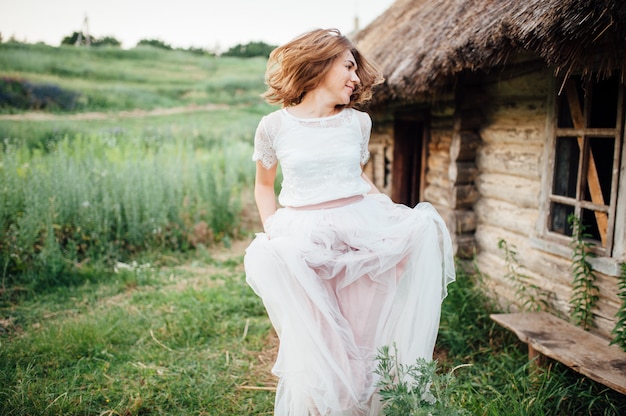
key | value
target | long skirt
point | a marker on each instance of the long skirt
(340, 283)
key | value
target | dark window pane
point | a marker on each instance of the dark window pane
(602, 150)
(591, 224)
(604, 104)
(558, 218)
(564, 116)
(566, 166)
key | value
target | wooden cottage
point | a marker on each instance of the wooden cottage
(508, 116)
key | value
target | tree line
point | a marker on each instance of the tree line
(248, 50)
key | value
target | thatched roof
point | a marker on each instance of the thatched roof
(421, 45)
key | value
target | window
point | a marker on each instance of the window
(588, 137)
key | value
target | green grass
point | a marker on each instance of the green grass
(201, 129)
(114, 79)
(190, 337)
(112, 189)
(149, 341)
(499, 380)
(168, 326)
(94, 189)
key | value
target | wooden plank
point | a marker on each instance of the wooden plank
(521, 191)
(512, 159)
(583, 351)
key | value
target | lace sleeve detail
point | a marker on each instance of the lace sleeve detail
(366, 127)
(263, 148)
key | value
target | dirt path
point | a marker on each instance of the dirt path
(94, 115)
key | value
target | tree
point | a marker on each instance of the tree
(250, 50)
(71, 39)
(156, 43)
(106, 41)
(80, 38)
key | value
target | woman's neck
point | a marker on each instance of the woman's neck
(312, 106)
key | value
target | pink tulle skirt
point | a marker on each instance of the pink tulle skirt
(338, 284)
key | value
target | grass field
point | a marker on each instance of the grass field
(124, 223)
(111, 79)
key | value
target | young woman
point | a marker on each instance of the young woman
(341, 269)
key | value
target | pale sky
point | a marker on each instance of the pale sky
(209, 24)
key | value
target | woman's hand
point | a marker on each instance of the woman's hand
(373, 189)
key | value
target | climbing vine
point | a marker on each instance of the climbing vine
(529, 296)
(584, 291)
(619, 331)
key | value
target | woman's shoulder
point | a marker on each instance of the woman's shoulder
(273, 116)
(365, 121)
(359, 113)
(272, 122)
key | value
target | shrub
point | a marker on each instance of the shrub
(155, 43)
(250, 50)
(24, 95)
(93, 41)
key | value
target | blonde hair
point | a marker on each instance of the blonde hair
(300, 65)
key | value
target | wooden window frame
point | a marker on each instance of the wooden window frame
(615, 210)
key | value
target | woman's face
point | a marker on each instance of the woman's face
(341, 80)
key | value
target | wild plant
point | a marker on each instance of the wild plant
(584, 290)
(619, 331)
(88, 202)
(528, 295)
(414, 390)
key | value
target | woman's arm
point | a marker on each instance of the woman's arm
(264, 194)
(374, 189)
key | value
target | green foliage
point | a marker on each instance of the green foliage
(465, 322)
(72, 39)
(113, 79)
(101, 198)
(619, 331)
(148, 341)
(106, 41)
(407, 390)
(81, 194)
(499, 381)
(155, 43)
(199, 51)
(24, 95)
(138, 337)
(81, 38)
(192, 338)
(528, 295)
(250, 50)
(584, 291)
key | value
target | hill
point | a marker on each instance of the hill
(67, 78)
(110, 154)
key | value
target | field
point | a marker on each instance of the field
(126, 206)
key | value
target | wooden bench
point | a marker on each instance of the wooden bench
(586, 353)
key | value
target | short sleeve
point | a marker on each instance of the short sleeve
(263, 147)
(365, 123)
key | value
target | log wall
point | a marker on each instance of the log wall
(509, 178)
(484, 174)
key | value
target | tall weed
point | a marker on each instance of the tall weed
(90, 200)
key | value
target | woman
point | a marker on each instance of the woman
(341, 269)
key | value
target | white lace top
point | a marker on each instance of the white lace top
(320, 158)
